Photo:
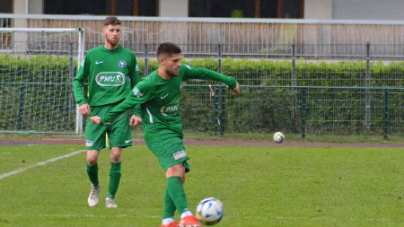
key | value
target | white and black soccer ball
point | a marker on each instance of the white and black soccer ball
(279, 137)
(209, 211)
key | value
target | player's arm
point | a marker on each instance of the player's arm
(111, 116)
(140, 94)
(206, 74)
(78, 90)
(135, 74)
(78, 85)
(134, 79)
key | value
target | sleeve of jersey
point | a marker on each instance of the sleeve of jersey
(78, 84)
(134, 74)
(134, 80)
(135, 98)
(206, 74)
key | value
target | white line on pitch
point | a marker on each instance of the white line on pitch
(39, 164)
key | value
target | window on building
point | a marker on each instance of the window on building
(247, 8)
(5, 7)
(102, 7)
(222, 8)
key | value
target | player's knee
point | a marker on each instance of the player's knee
(92, 157)
(177, 170)
(91, 161)
(115, 155)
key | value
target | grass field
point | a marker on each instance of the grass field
(46, 185)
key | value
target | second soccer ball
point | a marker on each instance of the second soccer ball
(279, 137)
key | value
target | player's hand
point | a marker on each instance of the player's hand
(135, 120)
(236, 90)
(85, 110)
(95, 120)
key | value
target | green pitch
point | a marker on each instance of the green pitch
(46, 185)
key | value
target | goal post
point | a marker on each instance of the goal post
(37, 68)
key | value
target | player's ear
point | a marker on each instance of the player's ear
(104, 29)
(161, 59)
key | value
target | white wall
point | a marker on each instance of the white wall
(368, 10)
(173, 8)
(20, 7)
(318, 9)
(35, 6)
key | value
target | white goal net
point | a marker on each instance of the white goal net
(37, 67)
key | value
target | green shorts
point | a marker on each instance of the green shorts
(169, 152)
(119, 133)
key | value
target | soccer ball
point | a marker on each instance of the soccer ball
(209, 211)
(279, 137)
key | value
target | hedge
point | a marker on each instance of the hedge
(265, 109)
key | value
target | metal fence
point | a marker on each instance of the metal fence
(315, 39)
(300, 110)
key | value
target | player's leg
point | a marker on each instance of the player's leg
(172, 157)
(114, 176)
(119, 135)
(92, 172)
(95, 141)
(168, 211)
(175, 184)
(92, 166)
(175, 176)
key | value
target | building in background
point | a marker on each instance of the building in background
(302, 9)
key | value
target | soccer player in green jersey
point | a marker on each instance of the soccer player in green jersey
(159, 97)
(111, 72)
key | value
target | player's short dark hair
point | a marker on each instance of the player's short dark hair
(168, 49)
(111, 21)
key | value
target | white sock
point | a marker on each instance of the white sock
(186, 213)
(167, 221)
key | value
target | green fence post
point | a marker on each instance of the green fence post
(386, 113)
(367, 91)
(303, 111)
(20, 121)
(216, 119)
(71, 67)
(223, 118)
(219, 57)
(294, 80)
(146, 60)
(294, 72)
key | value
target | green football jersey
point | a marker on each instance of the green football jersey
(111, 76)
(160, 101)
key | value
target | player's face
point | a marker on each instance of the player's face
(172, 65)
(112, 34)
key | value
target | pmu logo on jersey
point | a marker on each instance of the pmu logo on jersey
(110, 79)
(179, 154)
(170, 110)
(121, 63)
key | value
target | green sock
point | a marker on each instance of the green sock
(169, 206)
(176, 191)
(92, 172)
(114, 178)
